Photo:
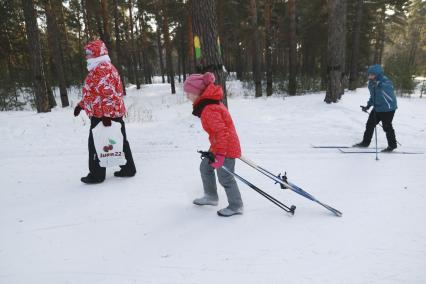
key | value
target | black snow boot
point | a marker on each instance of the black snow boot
(389, 149)
(125, 173)
(361, 145)
(90, 179)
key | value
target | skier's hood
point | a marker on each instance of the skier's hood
(375, 69)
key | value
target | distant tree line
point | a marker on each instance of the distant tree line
(291, 46)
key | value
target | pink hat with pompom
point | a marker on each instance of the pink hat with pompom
(197, 83)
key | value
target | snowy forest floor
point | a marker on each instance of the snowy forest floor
(145, 229)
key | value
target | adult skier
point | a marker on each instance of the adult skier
(383, 101)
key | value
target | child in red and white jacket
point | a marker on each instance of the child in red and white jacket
(103, 101)
(224, 143)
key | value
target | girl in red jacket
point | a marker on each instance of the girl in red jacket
(224, 144)
(103, 101)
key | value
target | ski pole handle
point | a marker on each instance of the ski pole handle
(363, 109)
(206, 154)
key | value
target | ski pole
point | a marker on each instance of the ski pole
(282, 180)
(210, 157)
(375, 134)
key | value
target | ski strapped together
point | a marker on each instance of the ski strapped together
(291, 209)
(284, 183)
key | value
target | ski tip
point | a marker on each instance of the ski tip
(338, 213)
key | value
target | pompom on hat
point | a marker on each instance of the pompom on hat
(197, 83)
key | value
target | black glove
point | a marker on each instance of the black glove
(77, 110)
(365, 108)
(106, 121)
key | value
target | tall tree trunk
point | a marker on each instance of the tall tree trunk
(343, 76)
(182, 51)
(106, 27)
(81, 67)
(380, 36)
(38, 75)
(256, 54)
(138, 50)
(356, 31)
(191, 55)
(268, 46)
(10, 65)
(292, 83)
(159, 46)
(54, 43)
(127, 47)
(179, 66)
(93, 27)
(50, 96)
(239, 62)
(133, 47)
(87, 31)
(206, 41)
(65, 52)
(336, 42)
(118, 44)
(169, 62)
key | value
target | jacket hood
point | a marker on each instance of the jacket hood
(375, 69)
(95, 49)
(212, 92)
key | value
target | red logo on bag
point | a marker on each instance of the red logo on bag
(109, 147)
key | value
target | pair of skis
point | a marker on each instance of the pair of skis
(285, 184)
(281, 180)
(354, 150)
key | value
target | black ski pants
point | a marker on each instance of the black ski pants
(373, 119)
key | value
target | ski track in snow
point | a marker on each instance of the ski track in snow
(146, 230)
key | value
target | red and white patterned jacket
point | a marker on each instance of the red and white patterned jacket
(103, 89)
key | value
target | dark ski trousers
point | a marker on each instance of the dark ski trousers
(97, 171)
(373, 119)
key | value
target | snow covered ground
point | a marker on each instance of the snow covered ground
(54, 229)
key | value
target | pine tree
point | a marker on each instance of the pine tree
(206, 41)
(256, 52)
(40, 85)
(336, 43)
(55, 47)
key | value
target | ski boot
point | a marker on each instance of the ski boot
(206, 200)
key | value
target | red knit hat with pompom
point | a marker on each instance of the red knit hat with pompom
(95, 49)
(197, 83)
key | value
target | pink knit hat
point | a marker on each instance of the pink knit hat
(197, 83)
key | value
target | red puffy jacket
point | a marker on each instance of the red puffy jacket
(103, 90)
(217, 122)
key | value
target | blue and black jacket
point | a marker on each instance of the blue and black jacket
(382, 96)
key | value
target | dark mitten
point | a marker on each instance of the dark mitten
(365, 108)
(106, 121)
(77, 110)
